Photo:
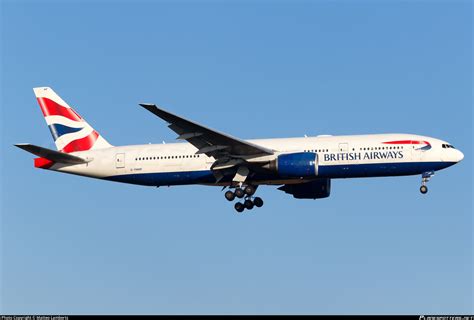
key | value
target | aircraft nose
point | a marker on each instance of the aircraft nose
(458, 155)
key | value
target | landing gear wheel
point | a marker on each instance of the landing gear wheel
(248, 204)
(423, 189)
(249, 190)
(258, 202)
(239, 193)
(229, 195)
(425, 177)
(239, 207)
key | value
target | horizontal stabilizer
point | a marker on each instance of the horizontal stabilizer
(49, 154)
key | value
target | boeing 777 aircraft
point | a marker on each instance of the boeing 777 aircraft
(302, 167)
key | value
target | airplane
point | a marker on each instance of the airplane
(302, 167)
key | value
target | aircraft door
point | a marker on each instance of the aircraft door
(416, 152)
(120, 160)
(343, 147)
(316, 164)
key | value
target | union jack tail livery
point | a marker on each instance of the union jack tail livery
(70, 131)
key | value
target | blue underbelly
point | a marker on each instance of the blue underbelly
(166, 178)
(380, 169)
(329, 171)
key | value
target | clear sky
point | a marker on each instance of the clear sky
(254, 70)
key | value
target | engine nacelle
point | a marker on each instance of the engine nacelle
(296, 165)
(317, 189)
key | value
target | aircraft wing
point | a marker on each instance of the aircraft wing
(208, 141)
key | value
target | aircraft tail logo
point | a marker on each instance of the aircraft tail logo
(70, 131)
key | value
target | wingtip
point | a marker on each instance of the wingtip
(19, 145)
(145, 105)
(23, 146)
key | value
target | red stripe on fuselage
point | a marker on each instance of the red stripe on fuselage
(51, 108)
(407, 142)
(81, 144)
(43, 163)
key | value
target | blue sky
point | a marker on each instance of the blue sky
(254, 70)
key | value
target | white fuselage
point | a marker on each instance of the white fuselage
(337, 157)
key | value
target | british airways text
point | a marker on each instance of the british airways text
(351, 156)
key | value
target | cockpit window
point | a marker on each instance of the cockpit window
(447, 146)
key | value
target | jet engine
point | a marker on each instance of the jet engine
(317, 189)
(296, 165)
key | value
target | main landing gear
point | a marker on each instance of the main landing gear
(425, 177)
(247, 193)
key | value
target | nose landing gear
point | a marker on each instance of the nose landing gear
(423, 189)
(247, 192)
(425, 177)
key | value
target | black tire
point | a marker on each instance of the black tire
(258, 202)
(248, 204)
(229, 195)
(249, 190)
(423, 189)
(239, 193)
(239, 207)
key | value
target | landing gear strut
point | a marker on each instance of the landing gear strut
(425, 177)
(249, 202)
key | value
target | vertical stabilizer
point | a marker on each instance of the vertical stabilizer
(69, 130)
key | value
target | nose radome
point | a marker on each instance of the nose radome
(459, 155)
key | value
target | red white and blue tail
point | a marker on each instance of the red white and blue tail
(70, 131)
